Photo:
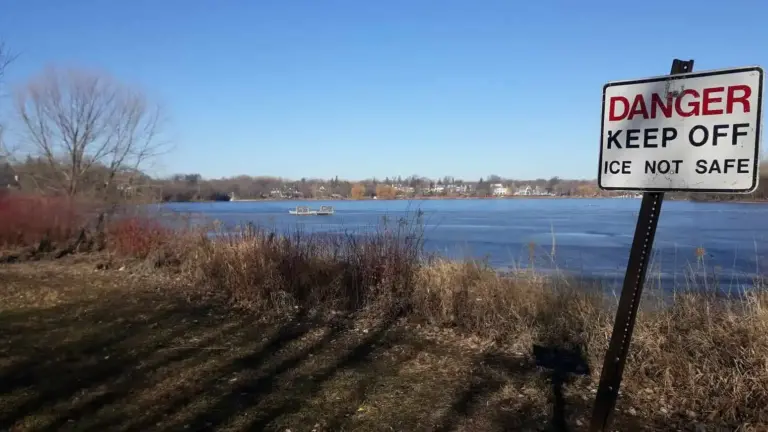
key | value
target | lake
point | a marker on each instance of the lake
(589, 237)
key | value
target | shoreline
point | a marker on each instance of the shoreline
(535, 197)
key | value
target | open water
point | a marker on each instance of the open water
(587, 237)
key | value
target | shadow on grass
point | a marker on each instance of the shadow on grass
(69, 361)
(499, 378)
(155, 364)
(562, 365)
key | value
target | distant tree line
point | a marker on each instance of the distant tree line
(193, 187)
(38, 174)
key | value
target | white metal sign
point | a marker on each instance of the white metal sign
(690, 132)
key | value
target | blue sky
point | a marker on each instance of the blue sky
(311, 88)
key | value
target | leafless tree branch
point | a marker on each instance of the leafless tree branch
(88, 128)
(6, 57)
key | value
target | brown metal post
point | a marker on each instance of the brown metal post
(632, 289)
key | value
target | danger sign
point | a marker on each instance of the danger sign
(690, 132)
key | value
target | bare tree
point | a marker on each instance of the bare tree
(88, 129)
(5, 59)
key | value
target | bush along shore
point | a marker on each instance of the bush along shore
(157, 329)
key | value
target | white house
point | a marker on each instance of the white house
(525, 190)
(498, 189)
(463, 188)
(528, 190)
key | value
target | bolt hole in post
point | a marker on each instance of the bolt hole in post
(701, 131)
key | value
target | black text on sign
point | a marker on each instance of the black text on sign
(691, 132)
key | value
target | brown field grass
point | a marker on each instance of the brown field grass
(304, 332)
(94, 350)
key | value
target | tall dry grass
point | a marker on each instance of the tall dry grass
(258, 269)
(698, 355)
(704, 354)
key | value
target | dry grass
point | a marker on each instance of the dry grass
(259, 270)
(138, 237)
(696, 359)
(111, 350)
(706, 357)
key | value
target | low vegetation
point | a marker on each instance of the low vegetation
(361, 324)
(29, 219)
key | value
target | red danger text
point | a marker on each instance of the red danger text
(687, 103)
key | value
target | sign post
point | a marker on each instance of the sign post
(692, 132)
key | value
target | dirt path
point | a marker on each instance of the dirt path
(107, 350)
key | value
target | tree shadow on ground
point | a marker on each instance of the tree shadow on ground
(153, 363)
(69, 362)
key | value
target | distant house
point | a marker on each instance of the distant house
(453, 188)
(498, 189)
(403, 189)
(524, 190)
(527, 190)
(461, 189)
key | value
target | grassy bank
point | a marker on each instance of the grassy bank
(161, 330)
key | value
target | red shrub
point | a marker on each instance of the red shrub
(137, 236)
(27, 219)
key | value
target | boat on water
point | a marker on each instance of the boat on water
(306, 211)
(325, 211)
(302, 211)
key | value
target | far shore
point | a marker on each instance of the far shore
(451, 198)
